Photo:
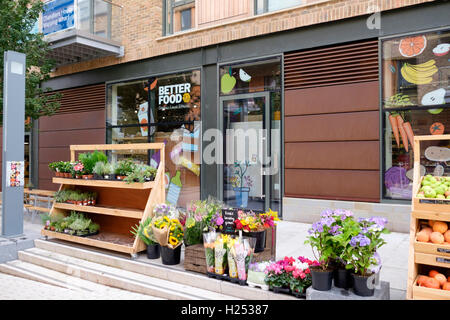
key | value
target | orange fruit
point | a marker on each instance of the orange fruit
(432, 283)
(441, 278)
(440, 226)
(432, 273)
(446, 286)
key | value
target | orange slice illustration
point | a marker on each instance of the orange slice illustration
(412, 46)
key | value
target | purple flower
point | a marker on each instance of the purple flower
(317, 227)
(335, 230)
(326, 213)
(328, 221)
(219, 221)
(379, 221)
(360, 239)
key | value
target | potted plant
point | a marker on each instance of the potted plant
(321, 240)
(145, 232)
(361, 254)
(169, 234)
(342, 228)
(123, 168)
(241, 183)
(78, 170)
(89, 160)
(300, 276)
(277, 276)
(141, 173)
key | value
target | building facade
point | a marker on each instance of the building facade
(263, 104)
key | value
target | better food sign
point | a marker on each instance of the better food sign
(175, 93)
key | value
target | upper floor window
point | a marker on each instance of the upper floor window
(263, 6)
(179, 15)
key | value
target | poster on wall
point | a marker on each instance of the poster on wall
(58, 15)
(15, 176)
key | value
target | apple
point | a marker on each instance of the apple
(440, 196)
(227, 83)
(244, 75)
(430, 193)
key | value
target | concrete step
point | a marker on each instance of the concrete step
(191, 279)
(40, 274)
(115, 277)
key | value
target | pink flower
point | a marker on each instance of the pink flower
(289, 268)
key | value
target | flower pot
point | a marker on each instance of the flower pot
(260, 240)
(321, 279)
(67, 175)
(153, 251)
(281, 290)
(79, 203)
(364, 285)
(170, 256)
(87, 176)
(98, 176)
(93, 202)
(342, 278)
(85, 203)
(120, 177)
(77, 176)
(241, 196)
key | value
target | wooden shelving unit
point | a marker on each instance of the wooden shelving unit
(425, 256)
(119, 206)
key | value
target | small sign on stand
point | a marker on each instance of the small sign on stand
(229, 215)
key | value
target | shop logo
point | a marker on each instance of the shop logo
(374, 20)
(173, 94)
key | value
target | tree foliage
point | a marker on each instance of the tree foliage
(17, 20)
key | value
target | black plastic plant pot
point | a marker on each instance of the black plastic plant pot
(342, 278)
(98, 177)
(322, 279)
(153, 251)
(260, 240)
(364, 286)
(170, 256)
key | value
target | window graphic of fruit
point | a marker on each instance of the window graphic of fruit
(227, 83)
(441, 49)
(412, 46)
(419, 73)
(244, 76)
(437, 128)
(435, 97)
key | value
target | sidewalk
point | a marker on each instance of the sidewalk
(290, 242)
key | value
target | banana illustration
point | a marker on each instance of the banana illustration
(420, 73)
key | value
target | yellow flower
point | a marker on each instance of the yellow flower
(173, 241)
(166, 218)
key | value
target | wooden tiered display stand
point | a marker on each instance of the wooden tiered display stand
(426, 256)
(119, 206)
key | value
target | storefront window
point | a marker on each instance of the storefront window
(416, 101)
(250, 97)
(173, 118)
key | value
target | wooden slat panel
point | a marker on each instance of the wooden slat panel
(213, 11)
(348, 63)
(333, 127)
(332, 184)
(341, 98)
(73, 121)
(355, 155)
(82, 99)
(66, 138)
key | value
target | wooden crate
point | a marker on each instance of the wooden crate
(195, 260)
(423, 293)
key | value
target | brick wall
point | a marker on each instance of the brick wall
(142, 31)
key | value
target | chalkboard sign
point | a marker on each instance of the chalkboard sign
(229, 215)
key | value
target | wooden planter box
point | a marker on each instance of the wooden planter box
(194, 256)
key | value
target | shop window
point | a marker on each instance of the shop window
(415, 101)
(173, 118)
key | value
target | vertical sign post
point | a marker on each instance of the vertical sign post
(13, 143)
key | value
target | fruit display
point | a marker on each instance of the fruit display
(436, 232)
(412, 46)
(434, 187)
(437, 128)
(434, 280)
(436, 97)
(419, 73)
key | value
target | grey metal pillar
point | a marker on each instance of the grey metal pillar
(13, 143)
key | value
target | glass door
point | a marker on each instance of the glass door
(247, 137)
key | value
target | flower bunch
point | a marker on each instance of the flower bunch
(248, 221)
(269, 218)
(168, 210)
(259, 266)
(173, 232)
(290, 273)
(207, 211)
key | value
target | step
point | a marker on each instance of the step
(116, 277)
(162, 272)
(44, 275)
